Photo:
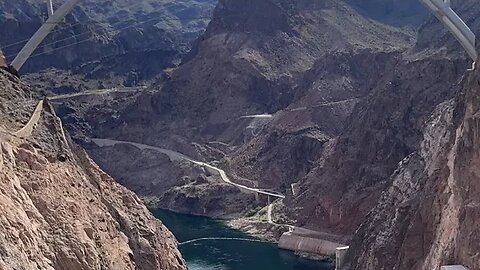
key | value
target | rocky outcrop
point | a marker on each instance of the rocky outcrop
(179, 185)
(3, 61)
(383, 128)
(59, 209)
(430, 214)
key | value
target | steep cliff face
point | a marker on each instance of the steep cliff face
(59, 209)
(430, 214)
(383, 128)
(389, 126)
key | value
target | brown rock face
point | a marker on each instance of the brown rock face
(254, 52)
(384, 127)
(178, 186)
(3, 62)
(59, 210)
(430, 215)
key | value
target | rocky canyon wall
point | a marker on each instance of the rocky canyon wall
(59, 209)
(430, 215)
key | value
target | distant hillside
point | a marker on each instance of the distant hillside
(109, 33)
(403, 13)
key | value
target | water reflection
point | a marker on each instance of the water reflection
(228, 254)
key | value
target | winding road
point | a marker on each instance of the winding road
(97, 92)
(173, 155)
(257, 116)
(321, 105)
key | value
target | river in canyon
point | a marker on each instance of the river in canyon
(226, 251)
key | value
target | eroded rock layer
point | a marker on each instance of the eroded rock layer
(59, 209)
(430, 215)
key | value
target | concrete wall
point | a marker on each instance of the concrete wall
(319, 235)
(296, 243)
(453, 267)
(340, 256)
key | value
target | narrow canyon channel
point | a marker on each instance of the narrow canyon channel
(207, 244)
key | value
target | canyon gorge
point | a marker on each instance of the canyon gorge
(360, 116)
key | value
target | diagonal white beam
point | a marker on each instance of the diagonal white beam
(50, 8)
(42, 32)
(442, 10)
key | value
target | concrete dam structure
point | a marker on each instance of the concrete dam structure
(291, 241)
(453, 267)
(312, 242)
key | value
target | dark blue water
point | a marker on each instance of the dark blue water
(228, 254)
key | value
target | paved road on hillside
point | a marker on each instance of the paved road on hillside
(97, 92)
(257, 116)
(173, 155)
(321, 105)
